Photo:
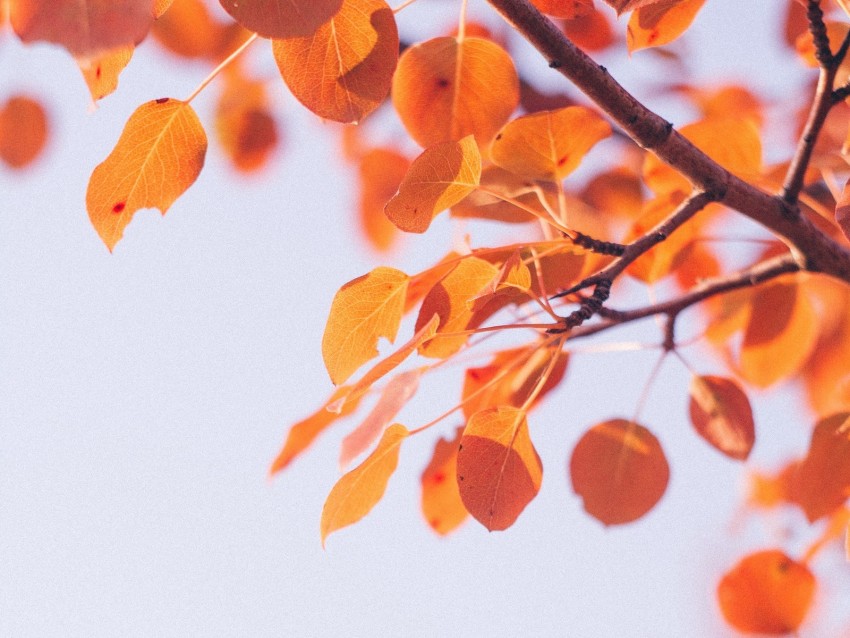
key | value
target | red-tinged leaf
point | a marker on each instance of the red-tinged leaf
(590, 31)
(363, 310)
(448, 299)
(302, 434)
(282, 18)
(439, 178)
(86, 28)
(619, 470)
(101, 73)
(343, 70)
(357, 492)
(381, 171)
(766, 593)
(23, 131)
(188, 29)
(159, 155)
(623, 6)
(244, 123)
(442, 506)
(445, 89)
(498, 469)
(564, 8)
(548, 145)
(842, 211)
(721, 414)
(398, 391)
(661, 23)
(822, 481)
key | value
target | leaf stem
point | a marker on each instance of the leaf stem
(221, 67)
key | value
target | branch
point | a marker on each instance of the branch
(815, 251)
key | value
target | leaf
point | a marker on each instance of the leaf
(343, 70)
(357, 492)
(661, 23)
(23, 131)
(282, 18)
(766, 592)
(381, 171)
(665, 257)
(721, 414)
(619, 470)
(302, 434)
(442, 506)
(101, 73)
(564, 8)
(398, 391)
(244, 123)
(548, 145)
(362, 311)
(448, 299)
(439, 178)
(445, 89)
(86, 28)
(188, 29)
(590, 32)
(623, 6)
(159, 155)
(498, 469)
(821, 483)
(842, 210)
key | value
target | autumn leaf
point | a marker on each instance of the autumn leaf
(381, 171)
(766, 593)
(441, 504)
(362, 311)
(159, 155)
(86, 28)
(590, 31)
(445, 89)
(439, 178)
(188, 29)
(564, 8)
(720, 413)
(619, 470)
(343, 70)
(821, 483)
(842, 210)
(623, 6)
(357, 492)
(548, 145)
(23, 131)
(282, 18)
(244, 123)
(660, 23)
(498, 469)
(101, 73)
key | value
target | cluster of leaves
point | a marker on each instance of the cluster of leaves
(646, 217)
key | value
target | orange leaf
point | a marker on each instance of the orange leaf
(445, 89)
(721, 414)
(548, 145)
(590, 31)
(439, 178)
(363, 310)
(23, 131)
(766, 592)
(302, 434)
(660, 23)
(244, 124)
(343, 70)
(381, 171)
(356, 493)
(622, 6)
(619, 470)
(101, 74)
(663, 258)
(822, 481)
(159, 155)
(189, 30)
(564, 8)
(442, 506)
(498, 469)
(86, 28)
(842, 210)
(398, 391)
(483, 205)
(282, 18)
(448, 299)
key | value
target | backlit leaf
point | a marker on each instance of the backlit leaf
(564, 8)
(442, 506)
(663, 258)
(357, 492)
(498, 469)
(619, 470)
(822, 481)
(548, 145)
(101, 73)
(623, 6)
(243, 122)
(766, 593)
(23, 131)
(720, 413)
(189, 30)
(343, 70)
(445, 89)
(282, 18)
(439, 178)
(381, 171)
(660, 23)
(363, 310)
(590, 31)
(159, 155)
(86, 28)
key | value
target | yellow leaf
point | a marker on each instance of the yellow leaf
(439, 178)
(363, 310)
(101, 73)
(159, 155)
(445, 89)
(343, 70)
(548, 145)
(357, 492)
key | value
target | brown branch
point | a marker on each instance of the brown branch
(814, 250)
(817, 28)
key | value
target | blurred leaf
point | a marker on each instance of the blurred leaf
(721, 414)
(23, 131)
(821, 483)
(442, 506)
